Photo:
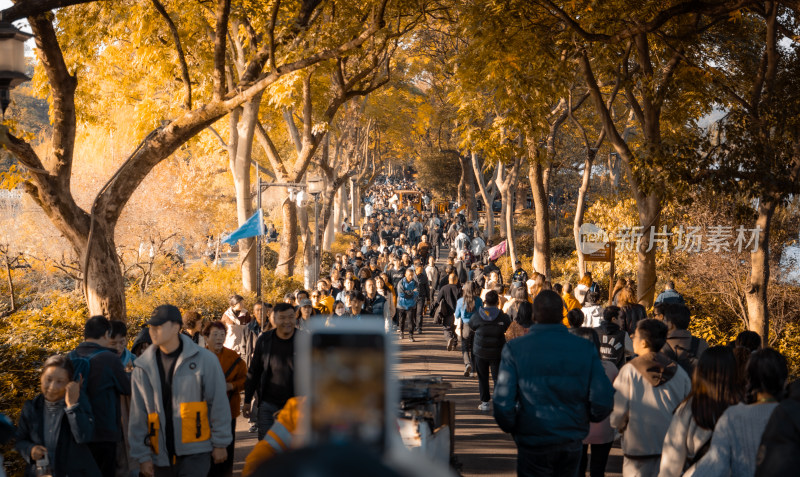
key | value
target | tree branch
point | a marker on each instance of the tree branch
(637, 27)
(30, 8)
(181, 57)
(62, 86)
(273, 18)
(221, 34)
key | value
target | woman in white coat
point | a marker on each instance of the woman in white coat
(715, 387)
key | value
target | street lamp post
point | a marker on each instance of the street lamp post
(12, 61)
(313, 186)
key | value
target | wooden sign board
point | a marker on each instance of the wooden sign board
(605, 254)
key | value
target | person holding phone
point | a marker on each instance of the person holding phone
(55, 426)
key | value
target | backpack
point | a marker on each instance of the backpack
(612, 346)
(443, 311)
(685, 357)
(82, 366)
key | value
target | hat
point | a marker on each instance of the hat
(165, 313)
(305, 302)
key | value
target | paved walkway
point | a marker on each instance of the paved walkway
(481, 447)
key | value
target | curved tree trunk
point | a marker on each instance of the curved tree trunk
(487, 198)
(756, 295)
(105, 286)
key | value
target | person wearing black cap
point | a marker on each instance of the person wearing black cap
(180, 417)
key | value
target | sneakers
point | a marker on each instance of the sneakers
(485, 406)
(411, 337)
(452, 344)
(253, 428)
(467, 370)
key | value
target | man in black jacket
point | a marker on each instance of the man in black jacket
(779, 453)
(445, 305)
(489, 325)
(271, 372)
(104, 380)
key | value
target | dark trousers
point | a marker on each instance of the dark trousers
(597, 467)
(466, 351)
(105, 456)
(420, 313)
(186, 466)
(266, 417)
(407, 319)
(560, 460)
(483, 367)
(225, 469)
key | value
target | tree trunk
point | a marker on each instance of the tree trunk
(541, 236)
(288, 249)
(10, 287)
(580, 207)
(756, 295)
(327, 215)
(353, 205)
(649, 216)
(508, 209)
(308, 248)
(339, 211)
(241, 160)
(485, 196)
(105, 290)
(468, 181)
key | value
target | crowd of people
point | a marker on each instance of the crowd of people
(573, 370)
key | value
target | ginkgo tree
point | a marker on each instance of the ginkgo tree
(290, 36)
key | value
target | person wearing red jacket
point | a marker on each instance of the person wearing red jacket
(235, 375)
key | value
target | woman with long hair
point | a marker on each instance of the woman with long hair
(734, 446)
(612, 297)
(535, 285)
(520, 312)
(630, 311)
(715, 387)
(466, 306)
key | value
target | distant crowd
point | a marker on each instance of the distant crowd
(574, 369)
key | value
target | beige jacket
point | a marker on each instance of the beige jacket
(643, 412)
(684, 438)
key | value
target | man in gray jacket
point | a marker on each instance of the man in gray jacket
(180, 418)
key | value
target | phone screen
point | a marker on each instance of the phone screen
(348, 383)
